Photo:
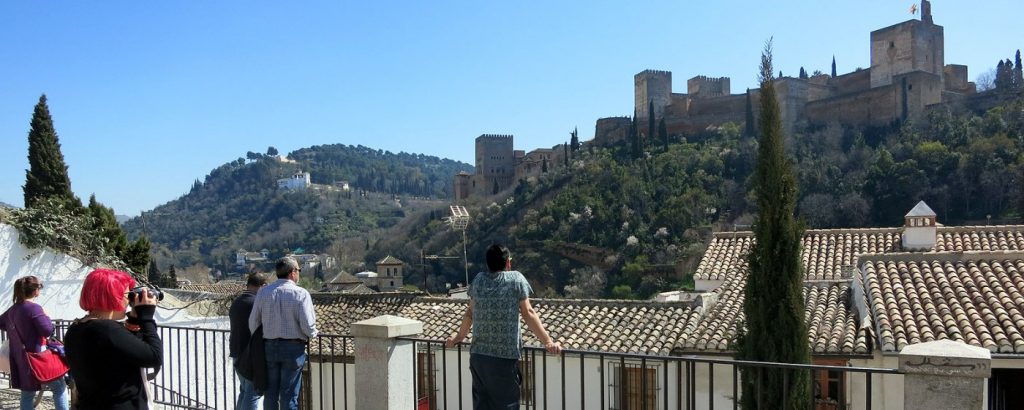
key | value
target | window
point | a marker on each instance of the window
(426, 381)
(829, 387)
(634, 387)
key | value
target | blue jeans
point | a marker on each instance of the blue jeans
(248, 397)
(285, 360)
(60, 395)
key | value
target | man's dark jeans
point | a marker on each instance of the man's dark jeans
(495, 382)
(285, 360)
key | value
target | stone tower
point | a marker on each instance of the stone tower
(913, 45)
(495, 162)
(651, 86)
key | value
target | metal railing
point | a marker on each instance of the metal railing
(198, 374)
(581, 379)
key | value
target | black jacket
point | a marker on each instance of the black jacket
(239, 317)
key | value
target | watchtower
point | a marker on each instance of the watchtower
(913, 45)
(495, 162)
(704, 86)
(651, 86)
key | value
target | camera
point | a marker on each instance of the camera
(136, 291)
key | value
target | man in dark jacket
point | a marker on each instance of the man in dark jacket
(248, 397)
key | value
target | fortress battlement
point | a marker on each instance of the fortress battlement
(494, 137)
(649, 72)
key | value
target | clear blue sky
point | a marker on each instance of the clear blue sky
(149, 96)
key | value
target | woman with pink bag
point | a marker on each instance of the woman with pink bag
(27, 326)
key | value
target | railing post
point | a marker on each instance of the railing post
(944, 375)
(382, 363)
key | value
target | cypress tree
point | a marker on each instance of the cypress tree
(1018, 73)
(47, 175)
(749, 129)
(650, 119)
(172, 278)
(833, 66)
(566, 149)
(634, 138)
(154, 275)
(575, 140)
(803, 73)
(774, 305)
(663, 133)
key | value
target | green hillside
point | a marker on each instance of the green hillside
(238, 205)
(617, 225)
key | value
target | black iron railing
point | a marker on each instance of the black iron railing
(580, 379)
(198, 374)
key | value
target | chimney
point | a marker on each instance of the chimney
(919, 227)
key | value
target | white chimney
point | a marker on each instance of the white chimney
(919, 228)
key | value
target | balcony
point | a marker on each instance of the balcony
(197, 374)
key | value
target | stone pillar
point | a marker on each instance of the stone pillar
(384, 367)
(944, 375)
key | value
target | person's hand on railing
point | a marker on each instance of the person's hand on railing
(553, 347)
(454, 340)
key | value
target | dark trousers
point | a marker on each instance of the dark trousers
(495, 382)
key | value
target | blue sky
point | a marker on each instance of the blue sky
(149, 96)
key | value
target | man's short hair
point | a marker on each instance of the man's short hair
(497, 256)
(257, 279)
(285, 266)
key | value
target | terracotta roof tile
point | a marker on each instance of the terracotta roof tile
(977, 301)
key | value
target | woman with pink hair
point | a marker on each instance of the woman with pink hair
(26, 325)
(106, 359)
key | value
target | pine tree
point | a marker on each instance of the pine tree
(833, 66)
(105, 225)
(749, 129)
(775, 330)
(663, 133)
(271, 151)
(136, 255)
(47, 175)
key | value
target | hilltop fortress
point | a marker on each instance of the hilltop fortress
(908, 74)
(907, 77)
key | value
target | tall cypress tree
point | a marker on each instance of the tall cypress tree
(634, 138)
(650, 120)
(749, 128)
(663, 133)
(1018, 73)
(566, 149)
(833, 66)
(774, 305)
(575, 140)
(47, 176)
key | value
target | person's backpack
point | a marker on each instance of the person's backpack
(252, 362)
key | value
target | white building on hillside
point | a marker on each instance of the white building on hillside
(300, 180)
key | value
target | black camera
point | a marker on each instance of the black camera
(136, 291)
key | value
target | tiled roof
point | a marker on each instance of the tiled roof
(224, 286)
(823, 252)
(602, 325)
(833, 327)
(921, 209)
(978, 300)
(390, 260)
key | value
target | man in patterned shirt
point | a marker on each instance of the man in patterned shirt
(286, 313)
(497, 298)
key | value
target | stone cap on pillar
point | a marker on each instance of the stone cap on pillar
(386, 327)
(946, 358)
